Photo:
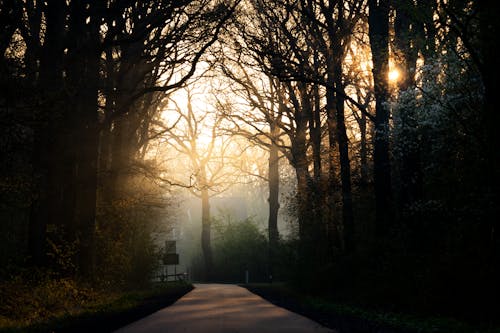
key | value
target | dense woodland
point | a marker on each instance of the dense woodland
(383, 109)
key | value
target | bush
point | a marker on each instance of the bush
(38, 296)
(237, 247)
(128, 255)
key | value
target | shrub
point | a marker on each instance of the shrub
(239, 246)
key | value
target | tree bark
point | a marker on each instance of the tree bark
(334, 229)
(47, 162)
(345, 164)
(206, 224)
(274, 183)
(407, 44)
(489, 30)
(85, 77)
(39, 211)
(363, 151)
(338, 136)
(379, 43)
(315, 128)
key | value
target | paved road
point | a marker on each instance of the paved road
(221, 308)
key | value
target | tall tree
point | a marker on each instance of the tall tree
(379, 42)
(195, 134)
(65, 42)
(263, 128)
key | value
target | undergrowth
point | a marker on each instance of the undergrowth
(44, 301)
(286, 296)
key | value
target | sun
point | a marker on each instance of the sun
(394, 75)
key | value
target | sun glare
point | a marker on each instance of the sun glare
(394, 75)
(200, 121)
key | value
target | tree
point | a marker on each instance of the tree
(263, 128)
(379, 42)
(64, 44)
(195, 135)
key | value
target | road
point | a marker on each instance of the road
(223, 308)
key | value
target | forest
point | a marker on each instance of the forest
(365, 129)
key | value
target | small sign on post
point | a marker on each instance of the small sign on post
(171, 259)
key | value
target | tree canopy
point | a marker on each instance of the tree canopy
(369, 125)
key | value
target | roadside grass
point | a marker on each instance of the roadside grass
(63, 305)
(349, 318)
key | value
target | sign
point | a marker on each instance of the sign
(171, 259)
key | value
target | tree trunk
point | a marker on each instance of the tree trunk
(39, 207)
(345, 165)
(379, 43)
(319, 196)
(308, 244)
(106, 140)
(407, 46)
(315, 129)
(118, 159)
(86, 197)
(274, 183)
(338, 136)
(489, 28)
(301, 165)
(47, 162)
(304, 210)
(334, 237)
(206, 225)
(363, 151)
(206, 233)
(306, 223)
(85, 78)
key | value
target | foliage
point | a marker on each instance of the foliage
(78, 198)
(239, 246)
(351, 317)
(126, 230)
(46, 303)
(74, 122)
(437, 238)
(40, 296)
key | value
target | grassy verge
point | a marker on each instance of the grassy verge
(71, 308)
(352, 319)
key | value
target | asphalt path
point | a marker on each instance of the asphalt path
(223, 308)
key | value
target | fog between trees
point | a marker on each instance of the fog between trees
(365, 185)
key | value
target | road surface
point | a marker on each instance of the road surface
(222, 308)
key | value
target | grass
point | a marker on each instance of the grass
(347, 318)
(65, 306)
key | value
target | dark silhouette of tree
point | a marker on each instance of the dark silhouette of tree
(263, 128)
(144, 45)
(379, 41)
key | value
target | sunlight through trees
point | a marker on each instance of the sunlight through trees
(355, 143)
